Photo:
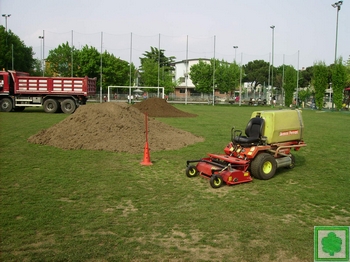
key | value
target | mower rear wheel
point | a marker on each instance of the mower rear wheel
(264, 166)
(191, 171)
(216, 181)
(292, 165)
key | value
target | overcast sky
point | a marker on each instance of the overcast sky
(187, 28)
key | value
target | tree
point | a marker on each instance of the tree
(256, 72)
(115, 71)
(158, 56)
(37, 69)
(149, 75)
(305, 77)
(12, 49)
(348, 72)
(226, 76)
(303, 95)
(202, 76)
(320, 82)
(156, 69)
(290, 84)
(88, 62)
(60, 60)
(338, 82)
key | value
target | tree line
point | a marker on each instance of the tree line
(157, 70)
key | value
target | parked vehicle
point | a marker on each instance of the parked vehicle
(18, 90)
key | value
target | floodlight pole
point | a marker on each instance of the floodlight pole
(235, 47)
(336, 5)
(6, 16)
(240, 81)
(273, 36)
(42, 52)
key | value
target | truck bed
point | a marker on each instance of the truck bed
(55, 85)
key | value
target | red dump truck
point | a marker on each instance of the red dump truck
(18, 90)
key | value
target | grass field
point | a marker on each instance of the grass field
(59, 205)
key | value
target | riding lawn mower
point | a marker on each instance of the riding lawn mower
(266, 145)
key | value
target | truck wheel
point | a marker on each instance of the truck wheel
(191, 171)
(292, 165)
(263, 166)
(68, 106)
(216, 181)
(50, 106)
(6, 105)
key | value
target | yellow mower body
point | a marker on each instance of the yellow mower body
(281, 125)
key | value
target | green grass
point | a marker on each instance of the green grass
(59, 205)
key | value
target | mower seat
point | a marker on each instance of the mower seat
(253, 131)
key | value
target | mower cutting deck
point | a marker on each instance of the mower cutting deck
(269, 138)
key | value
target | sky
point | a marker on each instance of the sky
(304, 33)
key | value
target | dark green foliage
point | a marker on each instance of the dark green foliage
(227, 76)
(305, 77)
(256, 71)
(87, 62)
(303, 95)
(338, 83)
(61, 60)
(14, 52)
(320, 82)
(115, 71)
(290, 85)
(202, 76)
(156, 70)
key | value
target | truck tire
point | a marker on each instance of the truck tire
(263, 166)
(50, 105)
(68, 106)
(6, 105)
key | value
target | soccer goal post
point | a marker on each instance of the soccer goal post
(132, 90)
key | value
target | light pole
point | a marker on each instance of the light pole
(273, 37)
(336, 5)
(42, 51)
(235, 47)
(6, 16)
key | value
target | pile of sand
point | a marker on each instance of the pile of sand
(116, 127)
(156, 107)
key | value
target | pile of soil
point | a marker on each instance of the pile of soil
(157, 107)
(116, 127)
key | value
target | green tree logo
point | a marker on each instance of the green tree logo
(331, 244)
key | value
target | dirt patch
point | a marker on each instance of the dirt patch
(116, 127)
(156, 107)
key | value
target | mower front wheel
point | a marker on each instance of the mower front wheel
(264, 166)
(216, 181)
(191, 171)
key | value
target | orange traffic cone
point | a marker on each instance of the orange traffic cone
(146, 157)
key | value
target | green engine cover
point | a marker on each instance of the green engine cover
(281, 125)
